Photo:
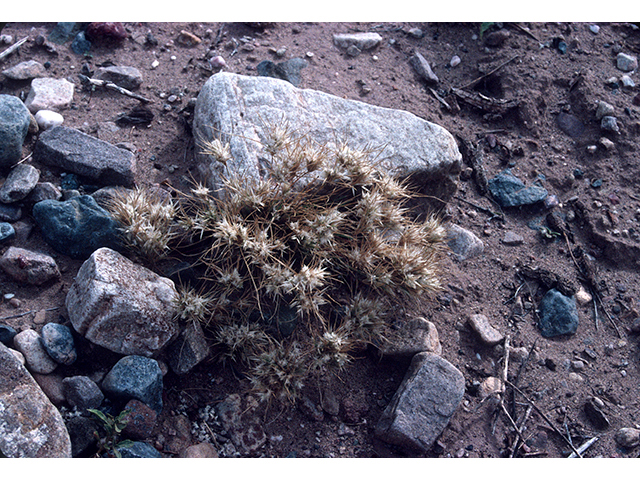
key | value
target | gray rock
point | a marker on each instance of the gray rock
(558, 314)
(604, 109)
(58, 342)
(122, 306)
(238, 106)
(14, 125)
(10, 213)
(30, 425)
(626, 63)
(422, 68)
(76, 227)
(49, 94)
(463, 243)
(51, 385)
(82, 392)
(512, 239)
(32, 268)
(240, 422)
(6, 334)
(488, 335)
(570, 124)
(509, 191)
(363, 40)
(84, 155)
(414, 336)
(47, 119)
(125, 77)
(189, 349)
(423, 404)
(135, 377)
(83, 433)
(21, 180)
(7, 232)
(627, 81)
(289, 70)
(200, 450)
(610, 124)
(29, 343)
(628, 437)
(44, 191)
(25, 70)
(139, 450)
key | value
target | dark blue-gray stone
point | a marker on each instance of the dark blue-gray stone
(558, 314)
(80, 44)
(7, 232)
(83, 433)
(510, 191)
(289, 70)
(82, 392)
(84, 155)
(6, 335)
(10, 213)
(76, 227)
(62, 32)
(14, 125)
(58, 342)
(570, 124)
(139, 450)
(136, 377)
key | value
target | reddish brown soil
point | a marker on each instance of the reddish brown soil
(527, 138)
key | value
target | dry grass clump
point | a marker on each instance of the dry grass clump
(299, 265)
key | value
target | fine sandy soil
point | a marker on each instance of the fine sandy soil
(548, 69)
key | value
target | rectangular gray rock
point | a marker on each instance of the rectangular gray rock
(84, 155)
(237, 108)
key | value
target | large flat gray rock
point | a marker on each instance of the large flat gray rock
(30, 425)
(84, 155)
(236, 109)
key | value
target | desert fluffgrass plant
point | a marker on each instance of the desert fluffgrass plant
(146, 217)
(300, 265)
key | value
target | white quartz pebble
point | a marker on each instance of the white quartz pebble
(47, 119)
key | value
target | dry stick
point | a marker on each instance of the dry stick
(110, 85)
(582, 448)
(27, 313)
(515, 446)
(546, 419)
(13, 48)
(526, 32)
(479, 79)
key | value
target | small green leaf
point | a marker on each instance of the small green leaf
(484, 26)
(100, 415)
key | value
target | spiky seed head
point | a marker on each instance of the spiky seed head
(219, 151)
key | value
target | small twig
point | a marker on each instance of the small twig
(546, 419)
(112, 86)
(482, 209)
(615, 326)
(13, 48)
(582, 448)
(526, 32)
(18, 315)
(515, 446)
(440, 99)
(479, 79)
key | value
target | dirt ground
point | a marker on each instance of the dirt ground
(548, 69)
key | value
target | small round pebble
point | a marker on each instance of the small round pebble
(7, 232)
(47, 119)
(628, 437)
(29, 343)
(455, 61)
(58, 341)
(594, 29)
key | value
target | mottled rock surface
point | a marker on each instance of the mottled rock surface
(122, 306)
(30, 426)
